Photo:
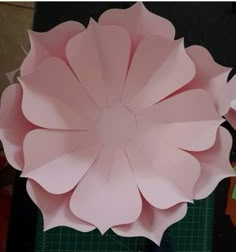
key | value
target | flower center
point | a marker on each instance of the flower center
(116, 126)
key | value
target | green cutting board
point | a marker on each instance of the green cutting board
(192, 234)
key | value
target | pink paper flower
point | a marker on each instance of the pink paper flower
(117, 125)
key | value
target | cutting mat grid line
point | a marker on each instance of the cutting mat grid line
(192, 234)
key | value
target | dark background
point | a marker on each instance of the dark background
(212, 25)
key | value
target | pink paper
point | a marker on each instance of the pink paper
(103, 203)
(159, 84)
(215, 164)
(139, 22)
(211, 77)
(76, 149)
(151, 218)
(231, 115)
(118, 125)
(63, 109)
(43, 45)
(103, 59)
(55, 208)
(13, 125)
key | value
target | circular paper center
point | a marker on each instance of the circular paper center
(117, 126)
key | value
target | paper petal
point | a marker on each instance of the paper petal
(13, 125)
(149, 79)
(231, 87)
(231, 118)
(215, 164)
(156, 172)
(231, 115)
(57, 160)
(139, 22)
(55, 209)
(193, 136)
(233, 104)
(53, 91)
(190, 106)
(152, 222)
(172, 119)
(49, 44)
(211, 77)
(99, 57)
(108, 194)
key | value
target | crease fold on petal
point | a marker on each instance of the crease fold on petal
(193, 136)
(108, 194)
(149, 80)
(189, 106)
(99, 57)
(54, 92)
(156, 172)
(211, 77)
(152, 222)
(49, 44)
(13, 125)
(62, 162)
(139, 22)
(55, 209)
(187, 120)
(215, 164)
(231, 115)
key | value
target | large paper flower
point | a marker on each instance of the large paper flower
(117, 125)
